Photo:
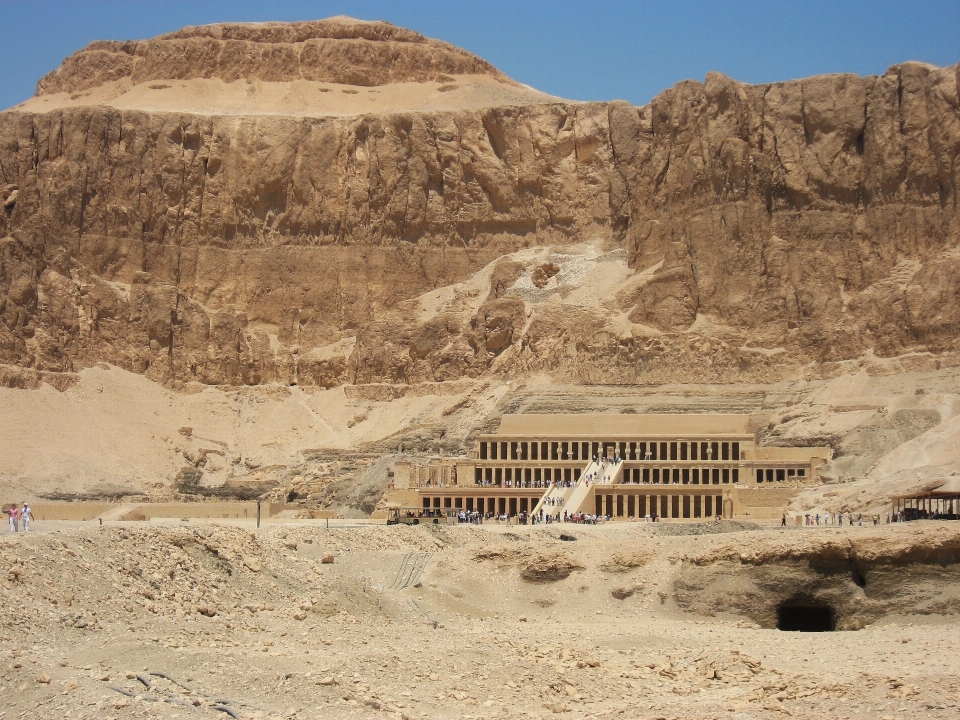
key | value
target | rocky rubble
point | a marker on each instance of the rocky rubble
(133, 621)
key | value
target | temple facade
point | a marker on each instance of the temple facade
(672, 467)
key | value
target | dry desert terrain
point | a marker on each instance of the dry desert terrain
(625, 620)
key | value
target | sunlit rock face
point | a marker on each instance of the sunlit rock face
(341, 202)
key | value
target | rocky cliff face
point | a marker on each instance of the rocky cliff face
(818, 214)
(767, 229)
(338, 50)
(203, 245)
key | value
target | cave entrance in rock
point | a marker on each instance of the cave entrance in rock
(805, 616)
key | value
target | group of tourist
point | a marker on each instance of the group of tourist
(585, 519)
(477, 518)
(814, 519)
(18, 516)
(581, 518)
(528, 483)
(592, 477)
(656, 482)
(472, 516)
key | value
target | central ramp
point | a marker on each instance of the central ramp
(608, 473)
(563, 494)
(579, 495)
(570, 497)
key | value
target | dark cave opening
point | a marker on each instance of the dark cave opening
(800, 616)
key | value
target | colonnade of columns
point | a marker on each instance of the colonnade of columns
(780, 474)
(921, 506)
(664, 506)
(680, 476)
(618, 505)
(499, 505)
(627, 450)
(525, 477)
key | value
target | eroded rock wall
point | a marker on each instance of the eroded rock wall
(771, 228)
(816, 214)
(859, 580)
(225, 249)
(775, 231)
(338, 50)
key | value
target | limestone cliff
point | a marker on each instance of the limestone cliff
(768, 230)
(339, 50)
(819, 215)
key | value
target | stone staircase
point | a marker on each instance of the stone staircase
(612, 474)
(609, 474)
(563, 492)
(579, 495)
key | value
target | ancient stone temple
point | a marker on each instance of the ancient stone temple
(671, 467)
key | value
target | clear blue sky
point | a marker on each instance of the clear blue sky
(581, 50)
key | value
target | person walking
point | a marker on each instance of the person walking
(783, 520)
(26, 515)
(11, 514)
(14, 519)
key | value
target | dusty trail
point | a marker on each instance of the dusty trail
(527, 625)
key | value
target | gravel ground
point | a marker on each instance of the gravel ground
(526, 626)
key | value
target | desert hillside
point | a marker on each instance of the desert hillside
(276, 253)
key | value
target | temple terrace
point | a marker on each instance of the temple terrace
(668, 467)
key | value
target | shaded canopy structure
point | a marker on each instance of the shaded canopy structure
(940, 499)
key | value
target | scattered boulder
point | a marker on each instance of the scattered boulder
(622, 593)
(545, 568)
(542, 274)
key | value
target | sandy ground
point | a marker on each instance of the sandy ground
(301, 98)
(118, 429)
(527, 625)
